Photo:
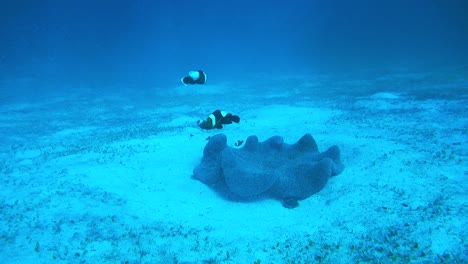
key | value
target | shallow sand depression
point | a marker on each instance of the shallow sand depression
(102, 179)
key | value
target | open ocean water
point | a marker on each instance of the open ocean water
(99, 137)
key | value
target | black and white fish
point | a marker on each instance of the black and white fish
(217, 119)
(194, 77)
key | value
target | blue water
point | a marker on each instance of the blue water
(99, 136)
(146, 44)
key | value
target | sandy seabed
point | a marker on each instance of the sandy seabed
(88, 178)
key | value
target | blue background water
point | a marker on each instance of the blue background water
(107, 45)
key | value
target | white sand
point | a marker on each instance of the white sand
(106, 181)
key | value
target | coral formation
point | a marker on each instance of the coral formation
(268, 169)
